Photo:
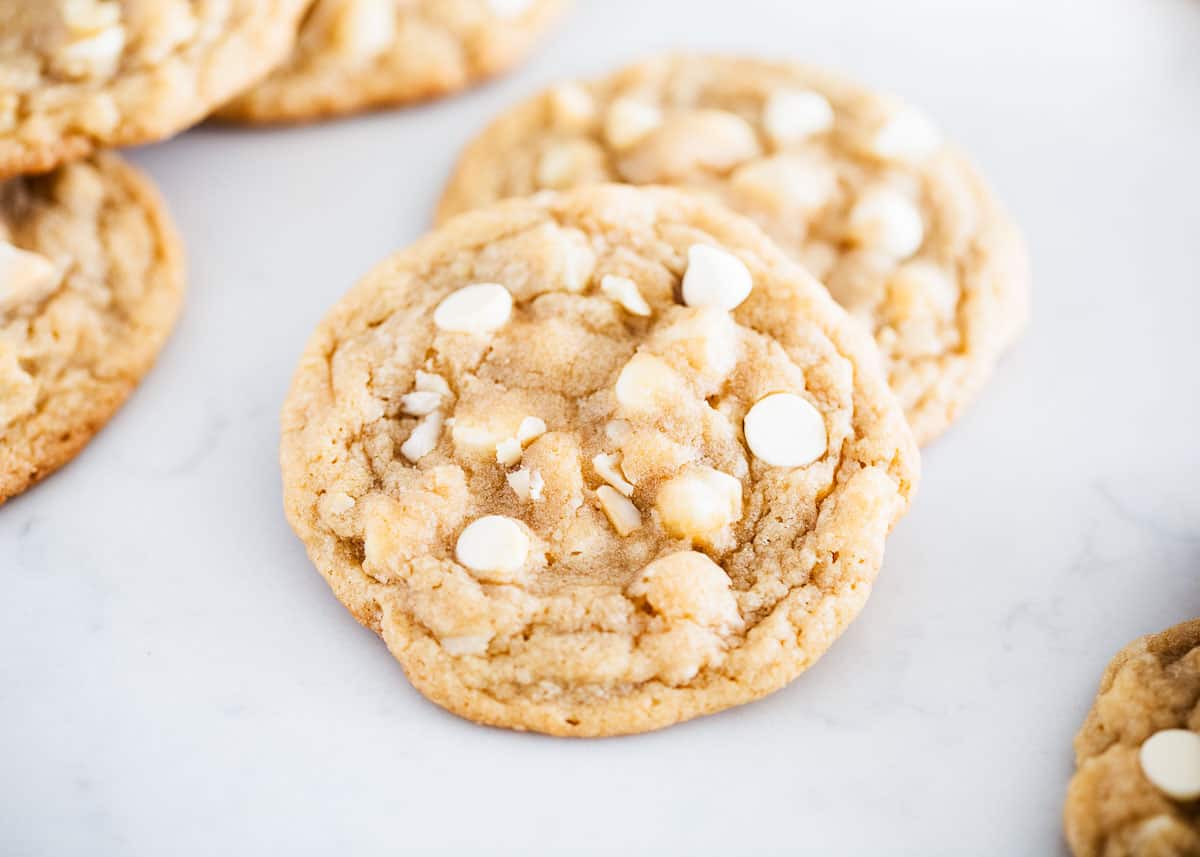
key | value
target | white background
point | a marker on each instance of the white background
(176, 678)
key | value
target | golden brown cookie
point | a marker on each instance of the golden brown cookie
(857, 186)
(91, 280)
(1136, 792)
(76, 75)
(595, 463)
(355, 55)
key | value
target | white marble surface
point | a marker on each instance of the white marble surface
(176, 679)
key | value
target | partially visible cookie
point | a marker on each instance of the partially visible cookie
(355, 55)
(858, 187)
(595, 463)
(77, 75)
(1137, 787)
(91, 280)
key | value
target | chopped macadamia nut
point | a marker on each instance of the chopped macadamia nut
(480, 308)
(624, 291)
(424, 438)
(608, 466)
(621, 512)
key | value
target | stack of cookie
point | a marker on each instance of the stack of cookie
(91, 270)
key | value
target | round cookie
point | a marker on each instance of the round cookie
(1137, 787)
(354, 55)
(859, 187)
(77, 75)
(516, 451)
(91, 281)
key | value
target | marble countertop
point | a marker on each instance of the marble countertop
(177, 679)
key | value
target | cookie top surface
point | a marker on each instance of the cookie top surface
(91, 280)
(596, 462)
(1121, 801)
(858, 187)
(76, 75)
(355, 55)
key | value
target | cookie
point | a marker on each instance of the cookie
(1137, 787)
(595, 462)
(858, 187)
(354, 55)
(91, 280)
(77, 75)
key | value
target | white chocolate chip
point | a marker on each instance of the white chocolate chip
(715, 277)
(508, 452)
(624, 291)
(628, 121)
(25, 277)
(572, 105)
(888, 221)
(467, 644)
(509, 8)
(526, 484)
(428, 382)
(699, 503)
(785, 430)
(424, 438)
(622, 514)
(92, 56)
(530, 429)
(493, 547)
(647, 380)
(793, 115)
(1170, 760)
(479, 308)
(907, 135)
(420, 403)
(365, 28)
(608, 466)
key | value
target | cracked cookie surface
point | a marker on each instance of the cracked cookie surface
(91, 281)
(1117, 803)
(858, 187)
(595, 462)
(77, 75)
(355, 55)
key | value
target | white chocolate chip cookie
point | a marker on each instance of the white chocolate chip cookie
(77, 75)
(355, 55)
(858, 187)
(596, 536)
(91, 279)
(1136, 792)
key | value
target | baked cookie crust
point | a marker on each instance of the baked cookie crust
(533, 452)
(857, 186)
(77, 75)
(91, 282)
(1112, 807)
(356, 55)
